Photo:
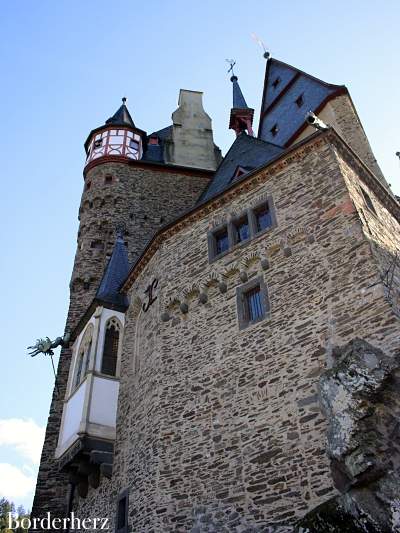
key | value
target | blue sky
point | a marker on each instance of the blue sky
(65, 66)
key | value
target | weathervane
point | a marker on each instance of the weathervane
(266, 54)
(232, 63)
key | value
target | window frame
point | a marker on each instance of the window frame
(124, 495)
(256, 209)
(236, 223)
(250, 213)
(241, 302)
(212, 242)
(119, 349)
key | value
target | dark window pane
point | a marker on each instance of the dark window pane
(254, 306)
(121, 519)
(79, 371)
(368, 201)
(221, 242)
(263, 218)
(110, 353)
(242, 230)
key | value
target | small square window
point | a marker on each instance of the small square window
(121, 522)
(108, 179)
(241, 230)
(98, 143)
(221, 241)
(274, 130)
(88, 185)
(252, 302)
(299, 101)
(263, 218)
(276, 82)
(368, 201)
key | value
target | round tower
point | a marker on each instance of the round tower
(128, 181)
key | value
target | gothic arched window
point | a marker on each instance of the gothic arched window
(110, 350)
(83, 357)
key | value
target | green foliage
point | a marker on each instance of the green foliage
(7, 507)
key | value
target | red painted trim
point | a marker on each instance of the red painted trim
(201, 173)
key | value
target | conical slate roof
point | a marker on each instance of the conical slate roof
(115, 273)
(122, 116)
(238, 99)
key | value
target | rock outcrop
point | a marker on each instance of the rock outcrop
(360, 398)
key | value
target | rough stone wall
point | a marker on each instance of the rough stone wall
(219, 429)
(340, 114)
(143, 200)
(353, 133)
(382, 231)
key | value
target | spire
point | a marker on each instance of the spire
(122, 116)
(238, 99)
(241, 118)
(115, 273)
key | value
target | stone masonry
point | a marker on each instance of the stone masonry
(220, 429)
(142, 199)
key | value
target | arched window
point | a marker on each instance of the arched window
(83, 357)
(110, 350)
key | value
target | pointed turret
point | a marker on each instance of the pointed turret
(121, 117)
(118, 139)
(114, 274)
(241, 118)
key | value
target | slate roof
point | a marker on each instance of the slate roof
(238, 99)
(154, 152)
(121, 117)
(283, 85)
(115, 273)
(247, 152)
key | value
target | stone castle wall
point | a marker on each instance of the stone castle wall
(222, 426)
(143, 200)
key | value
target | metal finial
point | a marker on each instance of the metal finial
(124, 99)
(398, 154)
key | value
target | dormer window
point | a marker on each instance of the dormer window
(299, 100)
(276, 82)
(239, 171)
(274, 130)
(153, 140)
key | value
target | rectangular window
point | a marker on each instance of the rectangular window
(242, 231)
(121, 522)
(221, 242)
(252, 302)
(263, 218)
(254, 308)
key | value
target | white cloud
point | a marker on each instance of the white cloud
(23, 435)
(14, 484)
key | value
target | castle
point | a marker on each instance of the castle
(234, 322)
